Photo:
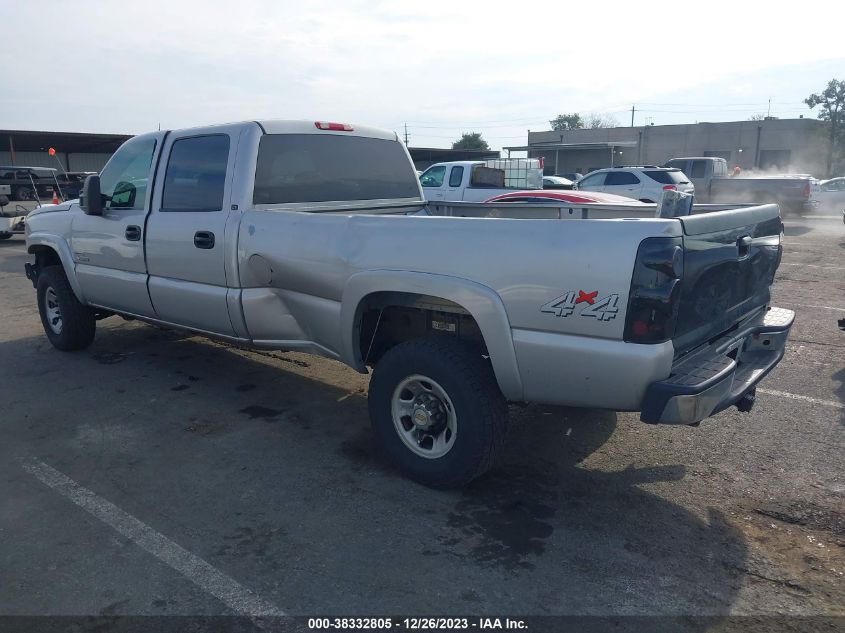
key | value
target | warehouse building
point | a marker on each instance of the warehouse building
(782, 145)
(75, 151)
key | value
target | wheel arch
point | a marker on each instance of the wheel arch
(52, 250)
(480, 302)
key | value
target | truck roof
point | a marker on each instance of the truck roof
(283, 126)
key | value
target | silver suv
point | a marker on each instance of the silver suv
(646, 183)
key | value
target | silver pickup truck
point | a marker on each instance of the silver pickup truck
(315, 237)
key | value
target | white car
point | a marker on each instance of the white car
(645, 183)
(829, 194)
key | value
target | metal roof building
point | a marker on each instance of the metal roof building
(785, 145)
(75, 151)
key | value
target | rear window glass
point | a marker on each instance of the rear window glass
(331, 167)
(668, 177)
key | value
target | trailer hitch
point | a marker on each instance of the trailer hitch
(746, 403)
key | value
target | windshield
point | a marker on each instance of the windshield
(331, 167)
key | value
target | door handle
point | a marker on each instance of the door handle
(743, 244)
(133, 233)
(204, 239)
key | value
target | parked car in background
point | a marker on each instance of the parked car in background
(829, 194)
(474, 181)
(712, 183)
(573, 176)
(11, 220)
(24, 182)
(565, 197)
(645, 183)
(556, 182)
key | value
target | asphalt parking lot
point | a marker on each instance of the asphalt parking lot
(259, 474)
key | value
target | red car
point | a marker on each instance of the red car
(540, 196)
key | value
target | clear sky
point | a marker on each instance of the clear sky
(498, 68)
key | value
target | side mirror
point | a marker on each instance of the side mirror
(90, 200)
(4, 200)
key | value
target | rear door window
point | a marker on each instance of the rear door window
(621, 178)
(332, 168)
(196, 174)
(456, 176)
(698, 169)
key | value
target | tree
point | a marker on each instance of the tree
(470, 140)
(567, 122)
(757, 117)
(595, 121)
(832, 102)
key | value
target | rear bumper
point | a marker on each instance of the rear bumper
(723, 373)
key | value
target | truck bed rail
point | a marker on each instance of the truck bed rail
(583, 211)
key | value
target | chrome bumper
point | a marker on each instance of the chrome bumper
(721, 374)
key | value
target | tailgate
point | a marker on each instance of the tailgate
(730, 259)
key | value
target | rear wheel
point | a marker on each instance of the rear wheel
(437, 411)
(67, 323)
(5, 236)
(24, 193)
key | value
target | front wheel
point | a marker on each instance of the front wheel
(68, 324)
(437, 411)
(5, 236)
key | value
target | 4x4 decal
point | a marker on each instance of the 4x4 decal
(603, 309)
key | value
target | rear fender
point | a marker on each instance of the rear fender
(481, 302)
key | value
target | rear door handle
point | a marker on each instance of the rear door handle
(743, 244)
(133, 233)
(204, 239)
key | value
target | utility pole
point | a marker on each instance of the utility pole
(633, 109)
(406, 135)
(769, 111)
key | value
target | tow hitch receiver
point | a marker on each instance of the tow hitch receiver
(746, 403)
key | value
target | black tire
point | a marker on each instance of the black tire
(24, 194)
(76, 325)
(480, 409)
(5, 236)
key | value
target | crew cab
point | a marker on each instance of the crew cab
(315, 236)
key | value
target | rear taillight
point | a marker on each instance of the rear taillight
(655, 291)
(807, 189)
(337, 127)
(669, 188)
